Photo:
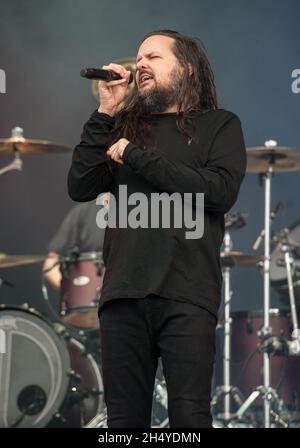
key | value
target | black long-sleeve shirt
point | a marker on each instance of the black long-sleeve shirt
(162, 261)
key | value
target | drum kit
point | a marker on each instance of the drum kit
(49, 378)
(259, 385)
(50, 368)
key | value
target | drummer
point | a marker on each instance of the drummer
(79, 232)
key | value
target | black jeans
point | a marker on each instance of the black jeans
(134, 333)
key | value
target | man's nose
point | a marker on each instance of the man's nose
(141, 64)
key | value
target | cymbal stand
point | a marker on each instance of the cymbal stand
(271, 402)
(17, 163)
(226, 389)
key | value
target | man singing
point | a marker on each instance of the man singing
(161, 290)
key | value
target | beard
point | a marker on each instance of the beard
(159, 98)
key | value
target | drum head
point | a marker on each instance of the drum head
(33, 370)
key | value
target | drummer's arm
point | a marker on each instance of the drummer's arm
(54, 275)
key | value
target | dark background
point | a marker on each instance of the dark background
(253, 47)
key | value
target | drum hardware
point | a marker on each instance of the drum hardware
(58, 418)
(273, 345)
(266, 161)
(268, 395)
(287, 247)
(18, 144)
(161, 399)
(163, 424)
(235, 221)
(74, 376)
(260, 237)
(247, 361)
(76, 398)
(15, 165)
(233, 424)
(247, 368)
(4, 282)
(61, 330)
(230, 259)
(51, 312)
(279, 280)
(160, 392)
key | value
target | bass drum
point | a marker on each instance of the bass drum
(47, 377)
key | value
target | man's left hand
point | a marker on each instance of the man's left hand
(115, 152)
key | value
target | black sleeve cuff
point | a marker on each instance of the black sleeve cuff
(100, 116)
(127, 153)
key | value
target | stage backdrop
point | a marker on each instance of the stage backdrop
(253, 47)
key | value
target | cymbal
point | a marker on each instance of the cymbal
(9, 261)
(30, 146)
(281, 158)
(234, 258)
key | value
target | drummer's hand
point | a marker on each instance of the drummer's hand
(115, 152)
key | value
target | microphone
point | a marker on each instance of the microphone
(275, 210)
(99, 73)
(260, 237)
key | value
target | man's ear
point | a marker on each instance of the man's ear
(190, 68)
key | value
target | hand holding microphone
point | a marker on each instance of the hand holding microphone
(111, 91)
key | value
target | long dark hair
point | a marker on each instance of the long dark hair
(197, 93)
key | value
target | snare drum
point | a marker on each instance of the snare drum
(47, 377)
(82, 278)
